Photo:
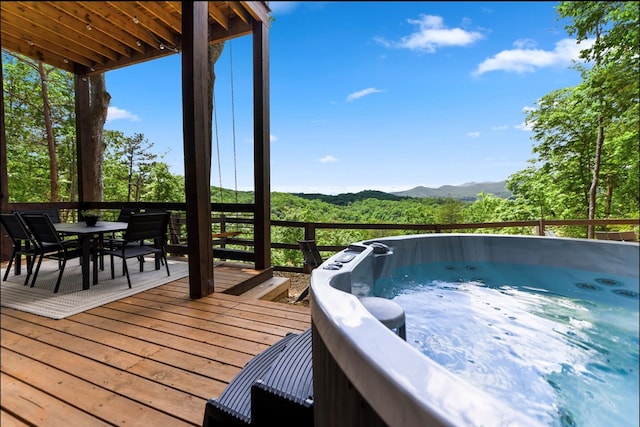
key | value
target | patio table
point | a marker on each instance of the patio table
(85, 233)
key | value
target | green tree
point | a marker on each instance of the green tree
(136, 155)
(40, 106)
(165, 186)
(115, 169)
(612, 82)
(586, 136)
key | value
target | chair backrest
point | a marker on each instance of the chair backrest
(54, 214)
(146, 226)
(125, 213)
(312, 257)
(620, 236)
(15, 227)
(628, 236)
(42, 228)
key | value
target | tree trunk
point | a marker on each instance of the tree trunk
(594, 181)
(51, 142)
(609, 197)
(99, 104)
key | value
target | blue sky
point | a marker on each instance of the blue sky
(368, 95)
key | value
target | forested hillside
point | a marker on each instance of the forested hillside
(345, 199)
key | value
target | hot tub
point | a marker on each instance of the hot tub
(364, 374)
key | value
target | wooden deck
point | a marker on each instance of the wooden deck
(152, 359)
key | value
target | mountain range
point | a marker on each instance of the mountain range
(466, 192)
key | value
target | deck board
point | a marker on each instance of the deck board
(154, 358)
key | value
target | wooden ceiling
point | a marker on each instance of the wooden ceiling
(96, 36)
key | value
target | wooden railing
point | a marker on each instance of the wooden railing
(538, 227)
(239, 217)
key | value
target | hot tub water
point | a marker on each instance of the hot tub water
(561, 344)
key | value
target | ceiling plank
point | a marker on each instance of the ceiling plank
(218, 15)
(40, 42)
(36, 53)
(88, 37)
(102, 29)
(60, 28)
(238, 9)
(135, 32)
(144, 20)
(163, 14)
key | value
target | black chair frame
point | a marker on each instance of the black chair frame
(23, 244)
(146, 234)
(50, 244)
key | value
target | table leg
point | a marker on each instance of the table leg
(18, 260)
(156, 257)
(95, 259)
(86, 256)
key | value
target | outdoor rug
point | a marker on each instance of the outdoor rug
(71, 299)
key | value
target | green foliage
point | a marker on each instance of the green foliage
(27, 145)
(131, 172)
(587, 156)
(91, 213)
(223, 195)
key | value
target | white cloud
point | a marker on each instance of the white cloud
(525, 59)
(475, 134)
(328, 159)
(524, 126)
(524, 44)
(115, 113)
(362, 93)
(433, 34)
(501, 127)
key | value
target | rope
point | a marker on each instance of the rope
(215, 121)
(233, 121)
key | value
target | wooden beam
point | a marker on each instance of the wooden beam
(4, 173)
(83, 134)
(261, 146)
(197, 149)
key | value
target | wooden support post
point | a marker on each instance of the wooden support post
(83, 134)
(197, 149)
(261, 145)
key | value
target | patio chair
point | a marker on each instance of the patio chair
(23, 243)
(116, 237)
(628, 236)
(125, 214)
(312, 259)
(311, 254)
(145, 235)
(50, 244)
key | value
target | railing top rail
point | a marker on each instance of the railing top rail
(503, 224)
